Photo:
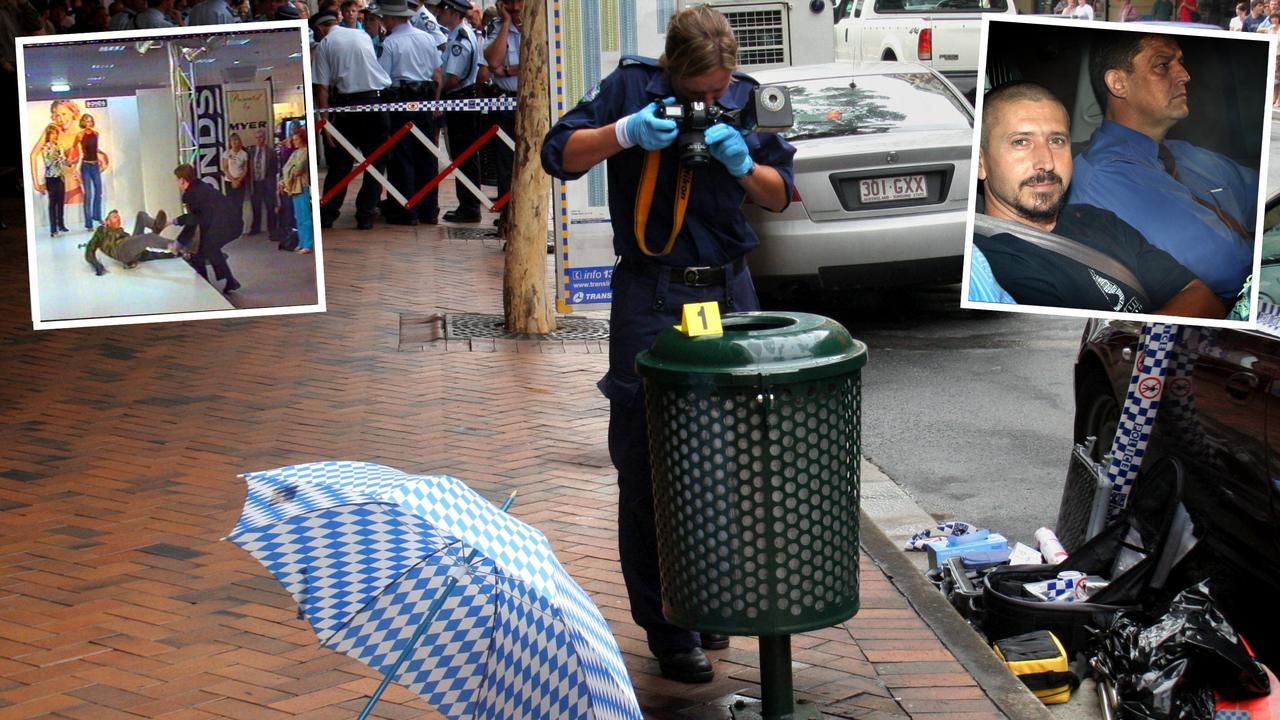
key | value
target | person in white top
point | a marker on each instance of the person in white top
(235, 168)
(345, 71)
(410, 57)
(502, 52)
(1237, 22)
(1083, 11)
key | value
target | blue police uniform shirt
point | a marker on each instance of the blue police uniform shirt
(715, 232)
(124, 20)
(212, 12)
(461, 57)
(152, 18)
(426, 22)
(346, 58)
(1122, 172)
(510, 57)
(409, 54)
(983, 286)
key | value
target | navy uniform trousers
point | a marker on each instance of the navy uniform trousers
(367, 131)
(645, 302)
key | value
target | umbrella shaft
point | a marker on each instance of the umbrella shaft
(408, 650)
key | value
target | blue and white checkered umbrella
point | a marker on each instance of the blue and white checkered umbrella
(374, 556)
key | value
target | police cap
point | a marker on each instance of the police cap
(323, 18)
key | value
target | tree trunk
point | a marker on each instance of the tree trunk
(526, 296)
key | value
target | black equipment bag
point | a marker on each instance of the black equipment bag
(1152, 526)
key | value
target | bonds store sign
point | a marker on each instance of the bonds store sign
(210, 133)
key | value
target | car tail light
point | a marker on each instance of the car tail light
(924, 46)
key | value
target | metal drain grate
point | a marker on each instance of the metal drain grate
(455, 233)
(462, 327)
(482, 233)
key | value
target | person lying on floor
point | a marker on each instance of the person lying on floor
(128, 249)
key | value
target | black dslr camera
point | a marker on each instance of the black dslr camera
(768, 109)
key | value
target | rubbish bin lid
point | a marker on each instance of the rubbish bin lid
(756, 348)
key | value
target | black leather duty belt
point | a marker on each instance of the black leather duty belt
(705, 276)
(353, 98)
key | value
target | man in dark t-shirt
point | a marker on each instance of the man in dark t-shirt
(1024, 161)
(1036, 276)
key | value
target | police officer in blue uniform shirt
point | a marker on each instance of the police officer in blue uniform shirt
(670, 254)
(502, 53)
(410, 57)
(426, 21)
(461, 64)
(344, 60)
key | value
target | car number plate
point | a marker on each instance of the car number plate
(902, 187)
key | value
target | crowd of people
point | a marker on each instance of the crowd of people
(395, 52)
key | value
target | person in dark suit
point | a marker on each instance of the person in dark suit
(218, 222)
(262, 185)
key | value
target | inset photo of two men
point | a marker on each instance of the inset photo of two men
(1119, 173)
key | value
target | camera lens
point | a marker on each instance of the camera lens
(693, 149)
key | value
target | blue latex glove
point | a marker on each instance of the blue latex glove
(648, 130)
(726, 145)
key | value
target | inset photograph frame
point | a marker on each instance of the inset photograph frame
(109, 121)
(1156, 193)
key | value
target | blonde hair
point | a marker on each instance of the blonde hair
(68, 104)
(699, 41)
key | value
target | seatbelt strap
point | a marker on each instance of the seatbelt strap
(644, 200)
(1067, 247)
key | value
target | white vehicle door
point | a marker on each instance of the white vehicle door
(890, 29)
(957, 25)
(849, 30)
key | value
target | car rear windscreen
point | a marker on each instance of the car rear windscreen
(931, 6)
(902, 102)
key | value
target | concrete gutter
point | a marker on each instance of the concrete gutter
(889, 518)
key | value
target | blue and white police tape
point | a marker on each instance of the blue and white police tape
(1268, 317)
(1059, 589)
(1141, 403)
(477, 104)
(939, 533)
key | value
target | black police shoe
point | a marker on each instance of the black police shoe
(686, 666)
(714, 641)
(457, 216)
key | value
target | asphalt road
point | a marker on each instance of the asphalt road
(969, 411)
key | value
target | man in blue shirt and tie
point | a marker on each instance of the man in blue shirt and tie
(1195, 204)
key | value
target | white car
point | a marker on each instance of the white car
(881, 180)
(940, 34)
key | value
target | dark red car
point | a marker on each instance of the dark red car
(1225, 427)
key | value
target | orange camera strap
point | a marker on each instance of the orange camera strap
(644, 200)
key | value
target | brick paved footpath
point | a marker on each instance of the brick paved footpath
(118, 470)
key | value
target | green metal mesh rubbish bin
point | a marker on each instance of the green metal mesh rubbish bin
(754, 439)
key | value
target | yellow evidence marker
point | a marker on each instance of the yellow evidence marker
(700, 319)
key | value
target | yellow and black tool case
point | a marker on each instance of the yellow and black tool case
(1039, 660)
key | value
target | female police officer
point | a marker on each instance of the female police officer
(680, 237)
